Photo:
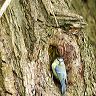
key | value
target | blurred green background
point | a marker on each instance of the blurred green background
(87, 9)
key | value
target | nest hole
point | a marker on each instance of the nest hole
(53, 54)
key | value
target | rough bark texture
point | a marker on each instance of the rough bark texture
(32, 33)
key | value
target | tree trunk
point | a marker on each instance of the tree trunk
(32, 34)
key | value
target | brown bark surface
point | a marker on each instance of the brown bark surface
(32, 34)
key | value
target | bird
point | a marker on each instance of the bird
(59, 71)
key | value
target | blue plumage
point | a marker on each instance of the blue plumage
(59, 72)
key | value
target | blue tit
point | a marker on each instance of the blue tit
(59, 71)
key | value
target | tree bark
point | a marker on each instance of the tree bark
(32, 34)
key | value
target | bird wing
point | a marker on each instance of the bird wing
(61, 73)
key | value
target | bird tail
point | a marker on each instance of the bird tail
(63, 86)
